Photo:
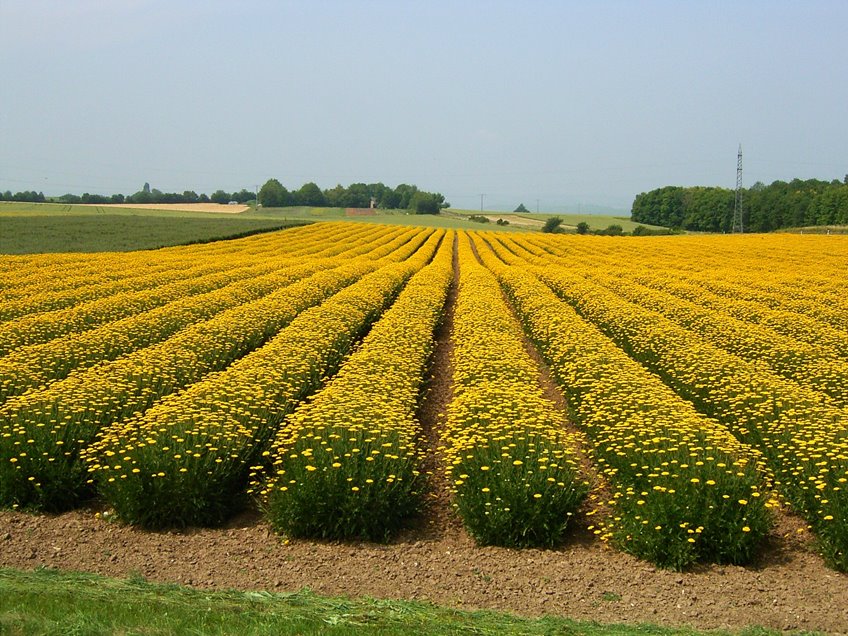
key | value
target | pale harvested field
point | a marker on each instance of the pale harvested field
(517, 220)
(177, 207)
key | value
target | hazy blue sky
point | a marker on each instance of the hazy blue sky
(564, 102)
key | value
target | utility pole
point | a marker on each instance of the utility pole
(738, 225)
(256, 205)
(481, 202)
(537, 206)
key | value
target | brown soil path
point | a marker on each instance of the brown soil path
(438, 393)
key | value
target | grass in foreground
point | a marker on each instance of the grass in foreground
(119, 232)
(51, 602)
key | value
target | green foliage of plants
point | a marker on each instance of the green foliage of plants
(517, 505)
(725, 531)
(552, 225)
(680, 492)
(324, 504)
(613, 229)
(62, 419)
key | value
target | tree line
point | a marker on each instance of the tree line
(274, 194)
(145, 195)
(798, 203)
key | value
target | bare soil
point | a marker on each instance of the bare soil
(787, 588)
(516, 220)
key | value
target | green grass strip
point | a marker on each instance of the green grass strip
(52, 602)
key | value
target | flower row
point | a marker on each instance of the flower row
(346, 463)
(186, 460)
(42, 431)
(800, 434)
(512, 464)
(684, 489)
(139, 273)
(40, 364)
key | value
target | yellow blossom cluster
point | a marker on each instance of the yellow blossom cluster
(346, 464)
(186, 460)
(799, 431)
(803, 277)
(38, 365)
(43, 431)
(678, 478)
(799, 327)
(47, 283)
(812, 366)
(513, 465)
(815, 366)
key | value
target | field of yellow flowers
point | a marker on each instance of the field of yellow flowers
(703, 382)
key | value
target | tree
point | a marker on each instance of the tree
(335, 196)
(521, 209)
(309, 194)
(219, 196)
(243, 196)
(582, 227)
(389, 200)
(273, 194)
(357, 196)
(551, 226)
(424, 203)
(404, 194)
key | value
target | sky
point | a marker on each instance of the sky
(559, 105)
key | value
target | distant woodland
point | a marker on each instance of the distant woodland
(797, 203)
(357, 195)
(272, 195)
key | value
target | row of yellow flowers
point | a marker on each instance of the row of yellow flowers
(512, 463)
(346, 463)
(36, 327)
(186, 460)
(684, 489)
(137, 272)
(799, 432)
(785, 264)
(817, 304)
(799, 327)
(812, 365)
(39, 328)
(48, 272)
(43, 431)
(37, 365)
(798, 288)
